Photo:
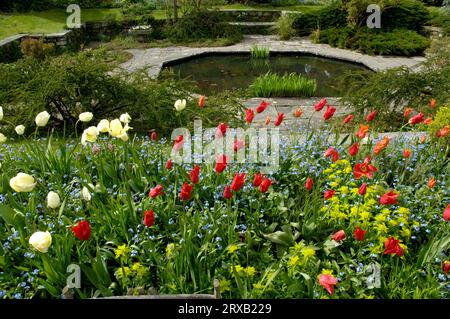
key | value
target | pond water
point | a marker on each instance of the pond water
(216, 73)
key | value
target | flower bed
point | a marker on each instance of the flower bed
(362, 218)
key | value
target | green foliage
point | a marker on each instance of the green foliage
(389, 92)
(259, 53)
(202, 25)
(70, 84)
(332, 15)
(284, 26)
(440, 17)
(292, 84)
(405, 14)
(375, 42)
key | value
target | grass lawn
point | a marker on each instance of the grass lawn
(51, 21)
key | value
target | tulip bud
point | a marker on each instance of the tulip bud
(41, 241)
(53, 200)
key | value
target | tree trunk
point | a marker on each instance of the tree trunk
(175, 10)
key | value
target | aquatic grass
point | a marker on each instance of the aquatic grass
(292, 84)
(259, 53)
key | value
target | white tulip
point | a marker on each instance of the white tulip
(180, 105)
(53, 200)
(20, 129)
(89, 135)
(85, 117)
(2, 138)
(85, 194)
(41, 241)
(1, 113)
(125, 118)
(103, 126)
(42, 119)
(22, 183)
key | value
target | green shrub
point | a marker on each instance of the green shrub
(202, 25)
(292, 84)
(333, 15)
(70, 84)
(284, 26)
(405, 14)
(440, 17)
(389, 92)
(36, 48)
(373, 41)
(259, 53)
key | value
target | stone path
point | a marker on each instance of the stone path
(154, 58)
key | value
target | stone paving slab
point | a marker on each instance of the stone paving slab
(155, 58)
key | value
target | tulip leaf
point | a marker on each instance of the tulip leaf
(280, 237)
(12, 217)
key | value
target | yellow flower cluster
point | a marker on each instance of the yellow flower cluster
(122, 251)
(238, 269)
(300, 255)
(349, 208)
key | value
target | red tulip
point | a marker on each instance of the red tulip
(327, 281)
(329, 113)
(363, 129)
(406, 153)
(319, 106)
(201, 101)
(431, 182)
(298, 112)
(309, 183)
(149, 218)
(333, 153)
(221, 163)
(364, 169)
(353, 150)
(265, 185)
(267, 120)
(359, 233)
(338, 236)
(82, 230)
(249, 115)
(371, 116)
(279, 119)
(227, 192)
(446, 267)
(392, 247)
(428, 120)
(362, 189)
(433, 103)
(390, 198)
(416, 119)
(262, 106)
(257, 180)
(348, 118)
(169, 164)
(328, 194)
(447, 213)
(443, 131)
(238, 144)
(407, 112)
(221, 130)
(185, 193)
(194, 174)
(178, 145)
(154, 136)
(238, 182)
(154, 192)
